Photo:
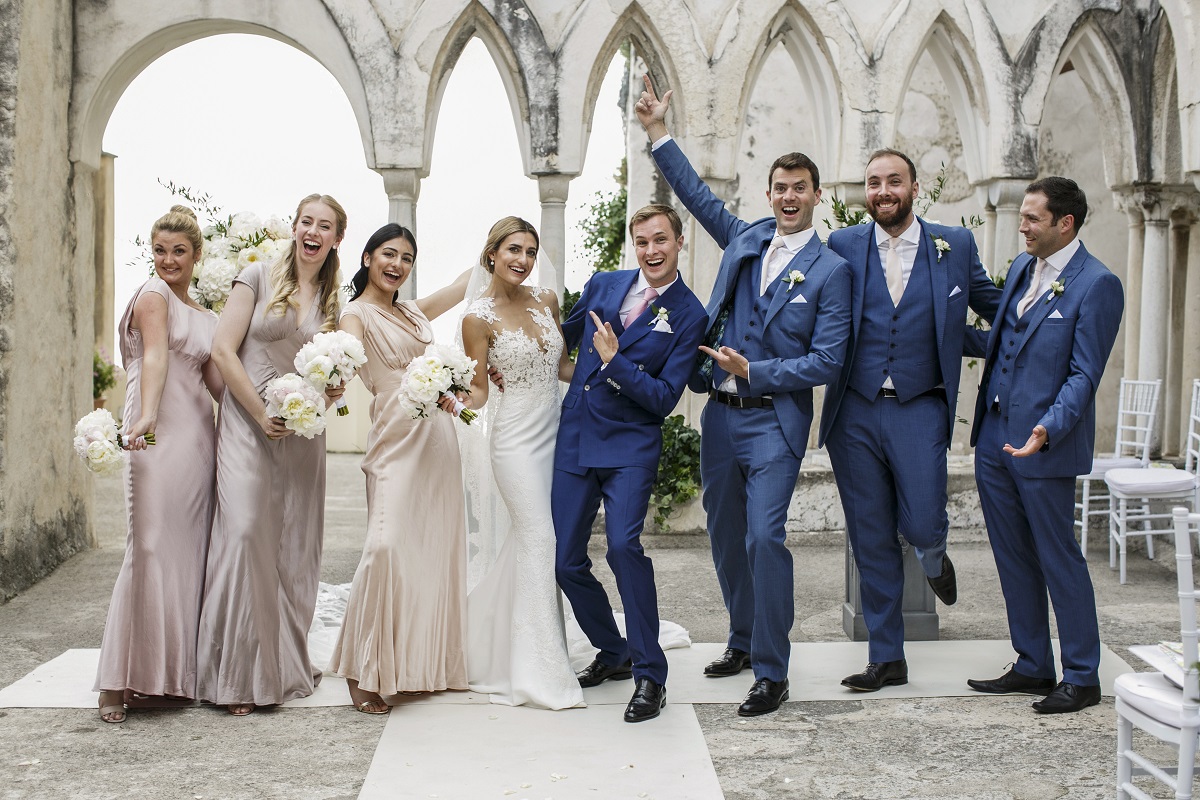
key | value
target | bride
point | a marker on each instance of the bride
(516, 645)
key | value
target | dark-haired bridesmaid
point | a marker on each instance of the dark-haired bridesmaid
(405, 619)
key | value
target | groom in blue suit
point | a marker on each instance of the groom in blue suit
(637, 333)
(1055, 328)
(778, 321)
(888, 418)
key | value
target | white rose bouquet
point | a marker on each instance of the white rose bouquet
(294, 400)
(331, 359)
(439, 371)
(99, 443)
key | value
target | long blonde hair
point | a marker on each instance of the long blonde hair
(286, 283)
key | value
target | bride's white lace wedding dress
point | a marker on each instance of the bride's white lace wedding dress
(516, 646)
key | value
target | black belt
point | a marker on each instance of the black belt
(939, 393)
(737, 401)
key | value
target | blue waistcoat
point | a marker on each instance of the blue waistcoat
(744, 327)
(1012, 330)
(897, 341)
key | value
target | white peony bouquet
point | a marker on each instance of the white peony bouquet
(99, 443)
(331, 359)
(231, 245)
(294, 400)
(439, 371)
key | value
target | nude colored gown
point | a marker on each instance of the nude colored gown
(265, 553)
(406, 617)
(149, 641)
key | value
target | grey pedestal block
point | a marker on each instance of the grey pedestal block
(919, 603)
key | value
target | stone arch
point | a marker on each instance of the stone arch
(796, 31)
(1088, 52)
(533, 106)
(955, 61)
(105, 69)
(1166, 156)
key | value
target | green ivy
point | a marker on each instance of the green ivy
(104, 375)
(678, 478)
(604, 228)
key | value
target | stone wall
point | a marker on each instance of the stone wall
(46, 296)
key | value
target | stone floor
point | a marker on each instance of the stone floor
(985, 748)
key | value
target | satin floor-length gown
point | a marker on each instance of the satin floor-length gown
(149, 641)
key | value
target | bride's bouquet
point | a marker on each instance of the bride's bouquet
(439, 371)
(331, 359)
(100, 444)
(294, 400)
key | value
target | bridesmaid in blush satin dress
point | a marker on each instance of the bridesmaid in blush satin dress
(265, 551)
(405, 619)
(149, 645)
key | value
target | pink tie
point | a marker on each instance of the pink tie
(639, 308)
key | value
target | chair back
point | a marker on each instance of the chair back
(1136, 418)
(1192, 447)
(1185, 523)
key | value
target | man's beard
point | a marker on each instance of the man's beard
(900, 212)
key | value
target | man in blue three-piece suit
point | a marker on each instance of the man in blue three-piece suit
(888, 418)
(637, 333)
(780, 315)
(1055, 327)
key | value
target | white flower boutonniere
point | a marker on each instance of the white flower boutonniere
(660, 320)
(794, 277)
(940, 245)
(1056, 290)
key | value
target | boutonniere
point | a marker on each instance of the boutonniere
(940, 245)
(661, 320)
(794, 277)
(1056, 290)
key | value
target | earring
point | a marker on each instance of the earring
(491, 263)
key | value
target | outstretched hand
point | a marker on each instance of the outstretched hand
(651, 111)
(1036, 441)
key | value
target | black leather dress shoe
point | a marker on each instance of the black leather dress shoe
(731, 662)
(765, 696)
(1013, 682)
(597, 673)
(945, 586)
(878, 675)
(1067, 698)
(649, 698)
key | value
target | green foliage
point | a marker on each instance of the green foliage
(843, 217)
(678, 470)
(104, 373)
(569, 299)
(604, 227)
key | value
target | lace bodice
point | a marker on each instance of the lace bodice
(527, 363)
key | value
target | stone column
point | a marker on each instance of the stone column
(1156, 291)
(1005, 195)
(403, 186)
(552, 191)
(1189, 351)
(1176, 395)
(1125, 200)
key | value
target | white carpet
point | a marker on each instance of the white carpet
(526, 754)
(936, 669)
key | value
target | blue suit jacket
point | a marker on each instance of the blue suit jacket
(959, 280)
(1058, 366)
(613, 417)
(805, 341)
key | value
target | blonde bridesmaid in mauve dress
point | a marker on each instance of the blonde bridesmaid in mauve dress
(265, 552)
(149, 645)
(405, 618)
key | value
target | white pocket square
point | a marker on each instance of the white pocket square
(798, 299)
(955, 291)
(1055, 314)
(662, 326)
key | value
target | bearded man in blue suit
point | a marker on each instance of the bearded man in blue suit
(887, 420)
(637, 333)
(1056, 326)
(778, 321)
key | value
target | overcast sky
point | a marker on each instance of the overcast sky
(258, 124)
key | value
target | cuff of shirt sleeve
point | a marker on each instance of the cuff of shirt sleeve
(660, 142)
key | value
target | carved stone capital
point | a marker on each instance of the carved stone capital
(1006, 193)
(553, 187)
(1157, 203)
(400, 183)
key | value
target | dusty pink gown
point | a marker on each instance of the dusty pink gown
(265, 551)
(150, 637)
(405, 619)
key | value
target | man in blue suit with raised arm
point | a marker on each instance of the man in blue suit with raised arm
(887, 420)
(1053, 333)
(637, 333)
(778, 321)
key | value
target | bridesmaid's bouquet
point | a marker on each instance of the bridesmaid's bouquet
(439, 371)
(331, 359)
(294, 400)
(230, 245)
(100, 444)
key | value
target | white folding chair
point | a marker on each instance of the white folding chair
(1136, 417)
(1157, 706)
(1133, 492)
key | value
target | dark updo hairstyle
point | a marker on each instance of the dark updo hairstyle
(385, 234)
